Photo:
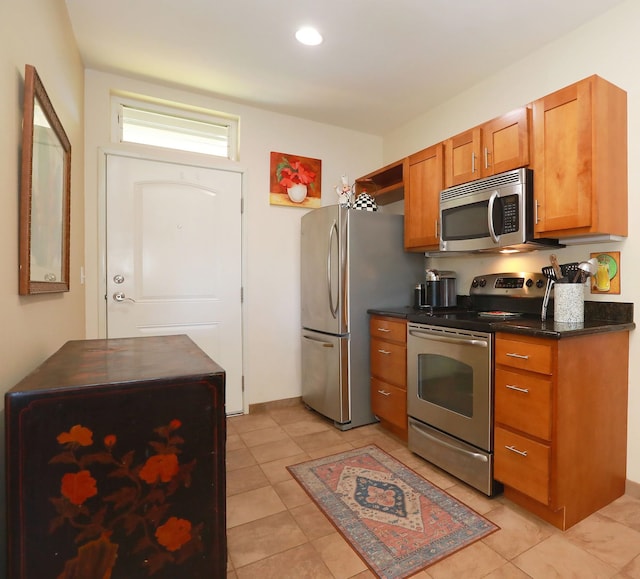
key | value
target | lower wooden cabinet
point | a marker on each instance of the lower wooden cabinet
(561, 423)
(523, 464)
(389, 373)
(389, 403)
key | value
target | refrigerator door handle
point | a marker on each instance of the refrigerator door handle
(321, 342)
(334, 309)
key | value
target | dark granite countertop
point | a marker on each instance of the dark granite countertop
(600, 317)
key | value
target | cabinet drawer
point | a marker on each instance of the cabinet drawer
(522, 464)
(389, 362)
(532, 355)
(385, 329)
(389, 403)
(523, 402)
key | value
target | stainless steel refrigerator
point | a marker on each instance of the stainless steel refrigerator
(351, 260)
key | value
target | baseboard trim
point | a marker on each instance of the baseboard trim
(266, 406)
(632, 489)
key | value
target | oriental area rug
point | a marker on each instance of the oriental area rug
(397, 522)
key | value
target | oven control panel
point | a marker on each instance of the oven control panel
(517, 284)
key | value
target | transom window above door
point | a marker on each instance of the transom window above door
(184, 129)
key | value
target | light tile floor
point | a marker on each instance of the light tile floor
(275, 531)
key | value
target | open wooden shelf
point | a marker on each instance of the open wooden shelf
(385, 184)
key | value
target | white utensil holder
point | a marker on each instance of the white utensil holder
(568, 302)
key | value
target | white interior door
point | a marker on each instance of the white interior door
(174, 258)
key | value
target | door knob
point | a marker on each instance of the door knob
(120, 297)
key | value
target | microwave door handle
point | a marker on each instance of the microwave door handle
(492, 231)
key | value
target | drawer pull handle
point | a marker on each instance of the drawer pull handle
(383, 330)
(514, 449)
(385, 352)
(517, 389)
(519, 356)
(384, 393)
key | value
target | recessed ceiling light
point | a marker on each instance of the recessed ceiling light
(309, 36)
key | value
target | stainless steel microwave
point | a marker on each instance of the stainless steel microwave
(491, 214)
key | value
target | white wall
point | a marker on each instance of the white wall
(607, 46)
(36, 32)
(271, 233)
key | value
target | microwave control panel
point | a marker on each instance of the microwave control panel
(510, 221)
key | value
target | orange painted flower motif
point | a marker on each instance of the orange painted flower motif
(78, 487)
(290, 173)
(384, 498)
(110, 440)
(161, 467)
(78, 435)
(174, 533)
(175, 424)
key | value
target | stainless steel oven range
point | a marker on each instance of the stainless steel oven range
(450, 374)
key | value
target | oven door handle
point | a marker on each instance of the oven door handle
(421, 432)
(459, 341)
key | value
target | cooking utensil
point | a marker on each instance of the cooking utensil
(545, 301)
(586, 269)
(556, 268)
(569, 270)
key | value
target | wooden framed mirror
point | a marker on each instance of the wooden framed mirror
(45, 194)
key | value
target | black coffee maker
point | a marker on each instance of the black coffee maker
(438, 291)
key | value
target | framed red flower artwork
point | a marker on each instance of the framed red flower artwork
(295, 181)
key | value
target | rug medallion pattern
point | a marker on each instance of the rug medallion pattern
(397, 521)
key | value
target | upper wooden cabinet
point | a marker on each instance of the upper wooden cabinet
(580, 160)
(423, 184)
(505, 142)
(461, 158)
(493, 147)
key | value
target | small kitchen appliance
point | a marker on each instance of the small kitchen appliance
(438, 291)
(450, 374)
(491, 214)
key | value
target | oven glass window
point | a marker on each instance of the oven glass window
(446, 382)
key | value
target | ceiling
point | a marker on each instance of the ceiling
(382, 62)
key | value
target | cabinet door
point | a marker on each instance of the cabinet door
(580, 160)
(562, 130)
(525, 353)
(462, 158)
(389, 362)
(389, 403)
(505, 142)
(422, 199)
(522, 464)
(523, 402)
(388, 329)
